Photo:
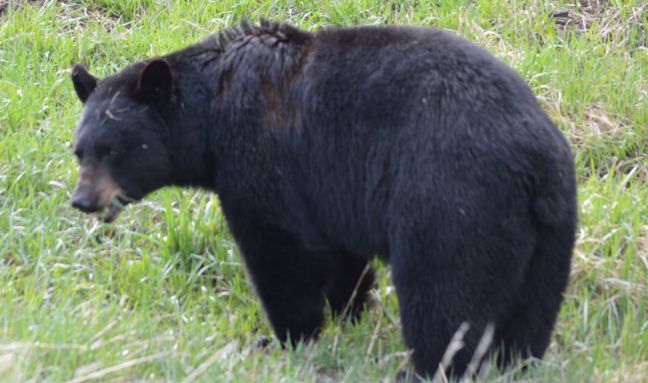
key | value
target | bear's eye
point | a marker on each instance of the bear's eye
(107, 152)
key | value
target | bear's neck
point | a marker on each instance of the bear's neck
(227, 105)
(209, 131)
(190, 138)
(190, 158)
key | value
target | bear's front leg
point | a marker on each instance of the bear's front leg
(289, 280)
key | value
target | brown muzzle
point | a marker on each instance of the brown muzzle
(95, 189)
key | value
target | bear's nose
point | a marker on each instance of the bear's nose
(84, 203)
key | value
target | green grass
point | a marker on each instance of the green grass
(162, 295)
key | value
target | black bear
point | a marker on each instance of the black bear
(329, 148)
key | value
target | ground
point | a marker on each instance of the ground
(162, 294)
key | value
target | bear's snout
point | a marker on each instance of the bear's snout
(84, 202)
(95, 190)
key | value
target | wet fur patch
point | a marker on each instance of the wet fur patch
(258, 63)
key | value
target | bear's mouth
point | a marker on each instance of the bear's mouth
(110, 213)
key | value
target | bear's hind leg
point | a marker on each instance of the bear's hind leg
(526, 330)
(443, 282)
(433, 309)
(348, 285)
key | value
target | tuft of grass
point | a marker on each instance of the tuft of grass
(162, 295)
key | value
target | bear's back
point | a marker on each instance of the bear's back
(386, 111)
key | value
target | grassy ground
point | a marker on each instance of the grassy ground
(162, 295)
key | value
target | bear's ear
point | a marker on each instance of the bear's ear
(155, 82)
(84, 82)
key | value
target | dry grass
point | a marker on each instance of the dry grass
(613, 22)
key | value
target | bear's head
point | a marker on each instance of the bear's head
(121, 139)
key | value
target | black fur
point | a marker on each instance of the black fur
(329, 148)
(84, 82)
